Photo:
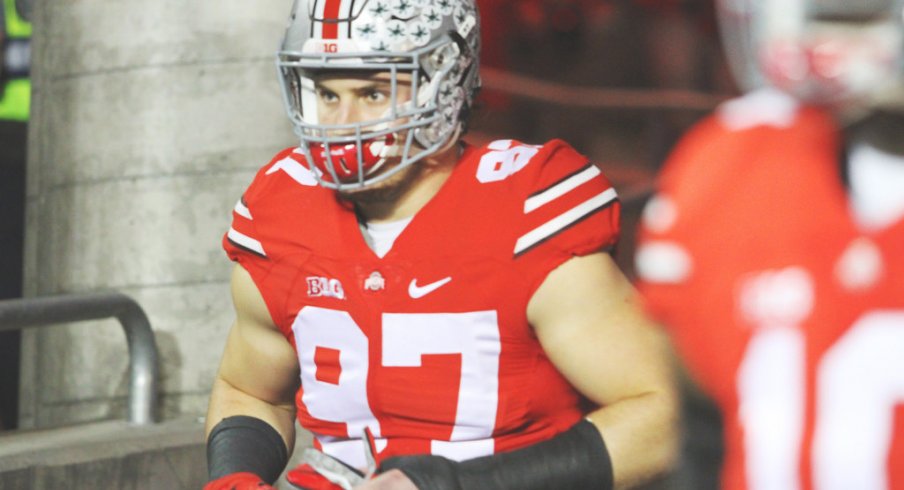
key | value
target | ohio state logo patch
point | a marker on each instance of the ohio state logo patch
(325, 287)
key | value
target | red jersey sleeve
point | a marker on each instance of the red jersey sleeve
(256, 238)
(241, 242)
(569, 209)
(665, 256)
(708, 166)
(245, 241)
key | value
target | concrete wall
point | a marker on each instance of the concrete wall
(110, 454)
(113, 454)
(148, 121)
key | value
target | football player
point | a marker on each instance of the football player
(774, 248)
(438, 315)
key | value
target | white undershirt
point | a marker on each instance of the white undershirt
(381, 236)
(877, 187)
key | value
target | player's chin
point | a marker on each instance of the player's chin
(387, 189)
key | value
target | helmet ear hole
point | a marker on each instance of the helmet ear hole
(445, 57)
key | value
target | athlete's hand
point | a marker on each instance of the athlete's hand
(238, 481)
(306, 477)
(391, 480)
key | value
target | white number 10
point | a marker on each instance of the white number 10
(859, 381)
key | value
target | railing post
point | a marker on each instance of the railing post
(143, 369)
(17, 314)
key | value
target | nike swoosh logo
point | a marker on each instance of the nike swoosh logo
(416, 291)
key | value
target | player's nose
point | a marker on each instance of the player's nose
(347, 113)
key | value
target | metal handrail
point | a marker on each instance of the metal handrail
(17, 314)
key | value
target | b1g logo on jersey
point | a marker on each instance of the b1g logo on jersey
(325, 287)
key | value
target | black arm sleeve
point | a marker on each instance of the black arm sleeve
(245, 444)
(576, 459)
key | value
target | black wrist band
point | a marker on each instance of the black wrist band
(245, 444)
(575, 459)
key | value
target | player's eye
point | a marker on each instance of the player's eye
(376, 96)
(327, 96)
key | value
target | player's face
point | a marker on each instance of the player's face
(347, 98)
(344, 99)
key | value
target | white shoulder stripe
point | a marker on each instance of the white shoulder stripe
(298, 172)
(246, 241)
(242, 210)
(565, 219)
(560, 189)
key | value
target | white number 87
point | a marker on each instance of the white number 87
(406, 337)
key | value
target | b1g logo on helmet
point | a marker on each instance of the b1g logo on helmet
(325, 287)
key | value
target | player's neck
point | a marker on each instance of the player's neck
(413, 193)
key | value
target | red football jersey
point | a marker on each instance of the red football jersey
(429, 346)
(786, 312)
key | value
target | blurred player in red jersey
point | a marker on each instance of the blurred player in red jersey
(440, 315)
(774, 249)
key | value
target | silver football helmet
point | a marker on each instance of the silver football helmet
(434, 42)
(822, 51)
